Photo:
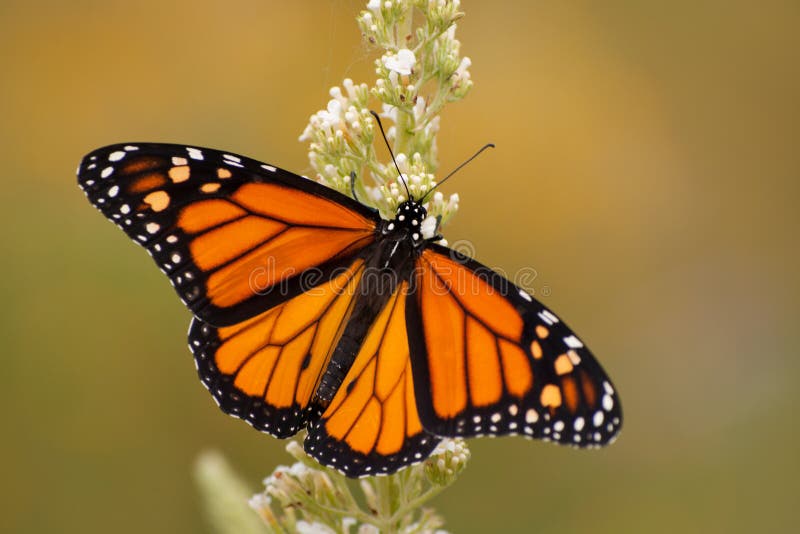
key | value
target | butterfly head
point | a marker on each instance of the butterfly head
(407, 223)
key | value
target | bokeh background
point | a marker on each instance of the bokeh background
(647, 167)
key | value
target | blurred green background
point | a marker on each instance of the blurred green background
(647, 167)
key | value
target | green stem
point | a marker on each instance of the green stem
(386, 508)
(404, 128)
(413, 504)
(404, 132)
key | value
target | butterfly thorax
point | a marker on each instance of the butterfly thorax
(407, 224)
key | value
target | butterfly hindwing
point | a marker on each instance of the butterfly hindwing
(371, 425)
(234, 235)
(266, 369)
(488, 359)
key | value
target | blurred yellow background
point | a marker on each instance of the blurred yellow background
(647, 167)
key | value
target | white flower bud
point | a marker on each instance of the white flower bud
(402, 161)
(259, 501)
(463, 66)
(419, 108)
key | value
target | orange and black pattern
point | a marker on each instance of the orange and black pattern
(266, 369)
(310, 311)
(226, 229)
(493, 361)
(372, 426)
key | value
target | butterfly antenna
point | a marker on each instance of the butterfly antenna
(399, 174)
(475, 155)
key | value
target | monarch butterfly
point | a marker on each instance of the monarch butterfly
(310, 310)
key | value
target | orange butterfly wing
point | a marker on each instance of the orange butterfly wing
(266, 369)
(371, 425)
(488, 359)
(235, 236)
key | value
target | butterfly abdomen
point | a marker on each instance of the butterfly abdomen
(387, 267)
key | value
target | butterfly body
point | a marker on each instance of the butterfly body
(398, 243)
(310, 311)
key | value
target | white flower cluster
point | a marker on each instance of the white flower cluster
(447, 460)
(308, 498)
(340, 136)
(420, 70)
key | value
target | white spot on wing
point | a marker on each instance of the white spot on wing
(270, 168)
(548, 317)
(597, 419)
(195, 153)
(105, 173)
(524, 294)
(178, 161)
(116, 155)
(573, 342)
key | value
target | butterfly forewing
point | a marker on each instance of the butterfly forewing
(234, 235)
